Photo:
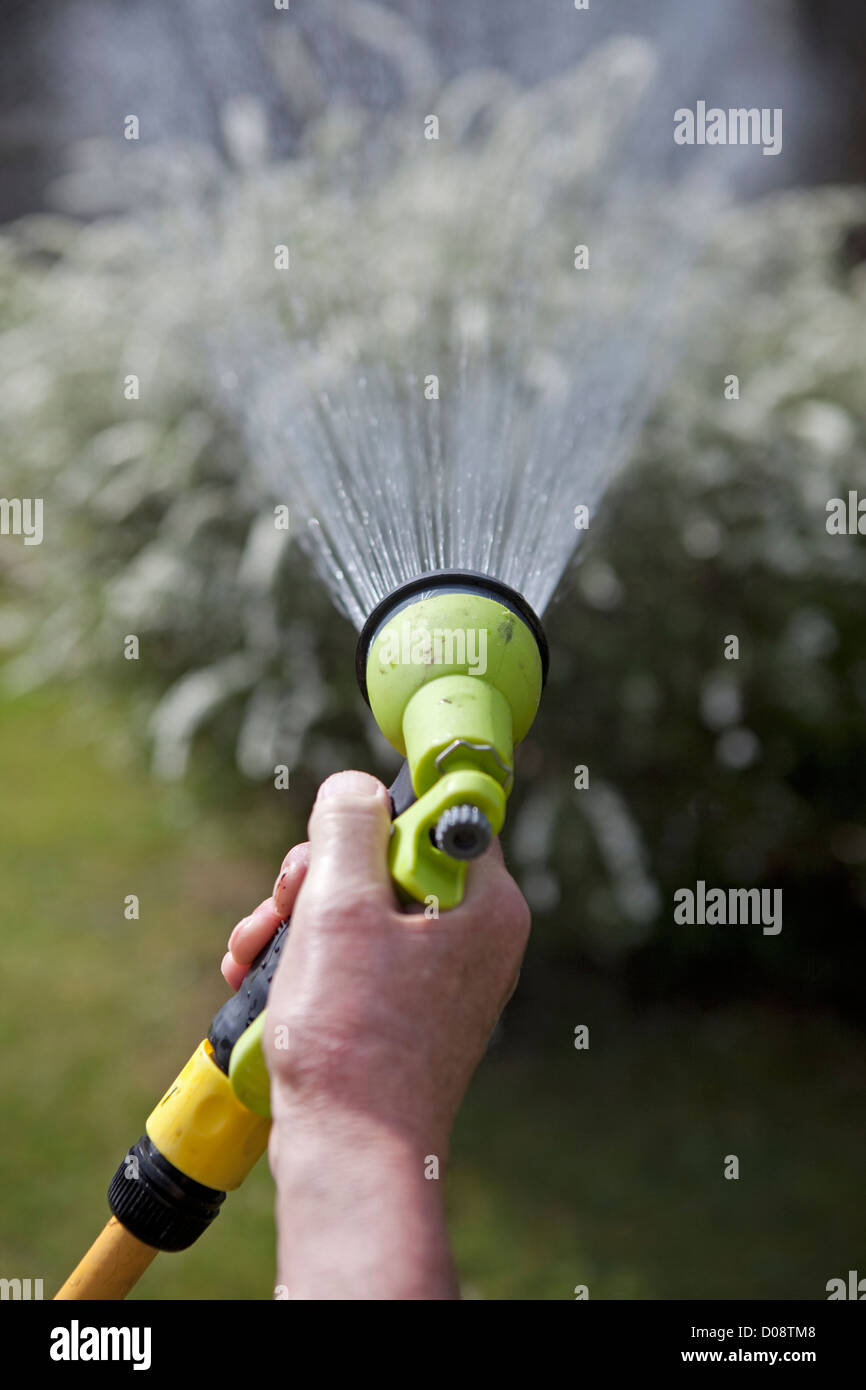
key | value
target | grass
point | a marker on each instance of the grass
(601, 1167)
(606, 1167)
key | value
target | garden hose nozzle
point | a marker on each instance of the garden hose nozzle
(452, 665)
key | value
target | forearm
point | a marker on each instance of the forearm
(356, 1216)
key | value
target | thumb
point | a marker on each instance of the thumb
(350, 828)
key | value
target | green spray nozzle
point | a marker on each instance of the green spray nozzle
(452, 666)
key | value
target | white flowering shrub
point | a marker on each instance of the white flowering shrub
(159, 499)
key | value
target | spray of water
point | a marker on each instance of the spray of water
(471, 327)
(448, 379)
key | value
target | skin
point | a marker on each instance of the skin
(377, 1019)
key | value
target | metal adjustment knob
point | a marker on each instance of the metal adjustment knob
(463, 832)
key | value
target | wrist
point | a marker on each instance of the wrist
(360, 1209)
(305, 1127)
(329, 1087)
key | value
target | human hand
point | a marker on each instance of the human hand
(376, 1021)
(383, 1011)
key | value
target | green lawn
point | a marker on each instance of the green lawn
(601, 1167)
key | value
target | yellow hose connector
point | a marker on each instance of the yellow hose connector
(202, 1127)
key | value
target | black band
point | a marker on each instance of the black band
(159, 1204)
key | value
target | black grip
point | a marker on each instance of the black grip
(401, 792)
(236, 1015)
(243, 1008)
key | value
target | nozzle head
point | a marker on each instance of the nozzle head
(451, 623)
(452, 666)
(445, 581)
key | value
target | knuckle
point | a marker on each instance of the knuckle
(520, 912)
(314, 1062)
(360, 906)
(360, 810)
(514, 912)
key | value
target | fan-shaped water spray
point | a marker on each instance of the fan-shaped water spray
(469, 329)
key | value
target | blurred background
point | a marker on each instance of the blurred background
(604, 1166)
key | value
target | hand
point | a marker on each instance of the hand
(384, 1015)
(382, 1010)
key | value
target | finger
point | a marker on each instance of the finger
(485, 875)
(349, 832)
(232, 973)
(253, 933)
(488, 882)
(290, 878)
